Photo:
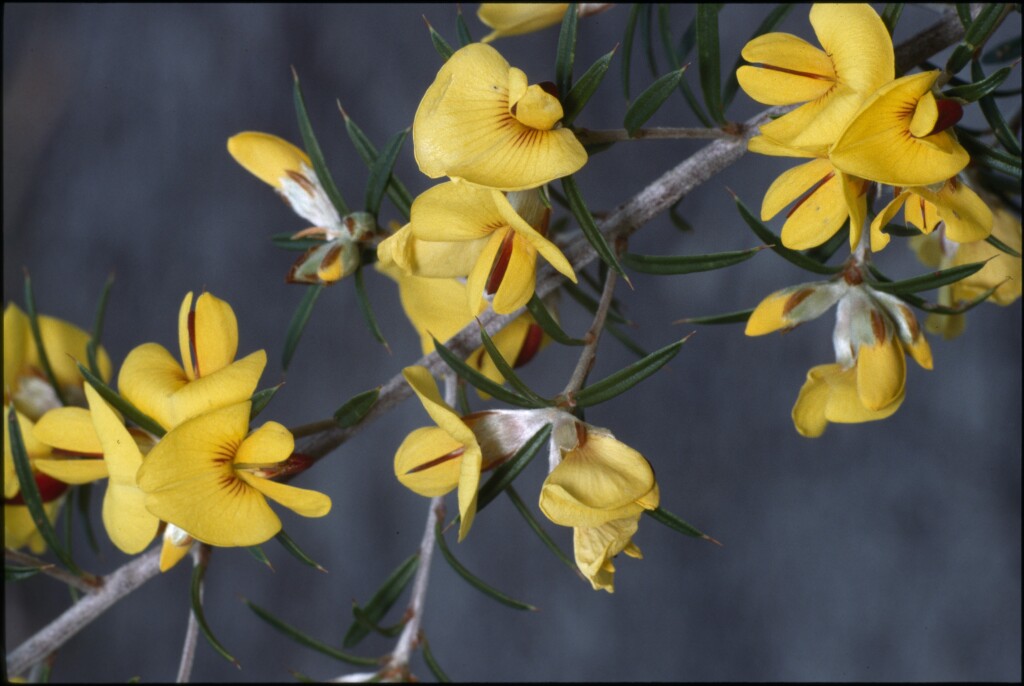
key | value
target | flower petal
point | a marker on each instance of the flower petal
(479, 277)
(595, 547)
(454, 212)
(216, 334)
(302, 501)
(16, 345)
(435, 307)
(129, 524)
(73, 470)
(880, 239)
(967, 217)
(791, 184)
(881, 374)
(517, 284)
(794, 70)
(34, 449)
(1002, 270)
(148, 378)
(69, 429)
(515, 18)
(545, 247)
(269, 444)
(267, 157)
(429, 462)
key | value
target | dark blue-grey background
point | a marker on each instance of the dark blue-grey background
(884, 551)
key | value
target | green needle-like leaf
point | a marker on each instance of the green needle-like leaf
(298, 323)
(461, 29)
(933, 308)
(773, 19)
(285, 241)
(999, 245)
(727, 318)
(687, 264)
(364, 306)
(1000, 128)
(590, 230)
(357, 407)
(504, 475)
(440, 44)
(624, 379)
(627, 47)
(770, 238)
(97, 327)
(926, 282)
(12, 573)
(428, 657)
(581, 91)
(260, 399)
(197, 609)
(84, 497)
(299, 637)
(648, 102)
(975, 36)
(260, 556)
(982, 85)
(37, 338)
(675, 58)
(295, 551)
(380, 171)
(506, 370)
(396, 190)
(539, 530)
(313, 150)
(472, 580)
(480, 381)
(676, 523)
(709, 61)
(566, 53)
(381, 601)
(121, 404)
(547, 323)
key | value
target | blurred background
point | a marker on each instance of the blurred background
(882, 551)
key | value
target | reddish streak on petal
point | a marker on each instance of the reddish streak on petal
(534, 336)
(49, 489)
(795, 299)
(828, 177)
(500, 263)
(440, 460)
(950, 112)
(806, 74)
(192, 343)
(878, 326)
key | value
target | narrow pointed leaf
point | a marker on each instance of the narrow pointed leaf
(581, 91)
(364, 306)
(440, 44)
(648, 102)
(1003, 52)
(547, 323)
(646, 31)
(428, 657)
(364, 621)
(82, 499)
(975, 36)
(1002, 130)
(506, 370)
(999, 245)
(982, 85)
(313, 149)
(709, 60)
(987, 156)
(396, 190)
(675, 523)
(301, 638)
(353, 411)
(461, 29)
(292, 547)
(927, 282)
(382, 600)
(627, 47)
(257, 552)
(773, 19)
(121, 404)
(298, 323)
(380, 171)
(472, 580)
(539, 530)
(260, 399)
(727, 318)
(934, 308)
(197, 609)
(565, 56)
(504, 475)
(687, 264)
(586, 221)
(12, 573)
(891, 16)
(770, 238)
(478, 380)
(678, 220)
(963, 12)
(624, 379)
(37, 338)
(30, 492)
(97, 327)
(285, 240)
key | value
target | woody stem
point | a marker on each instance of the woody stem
(589, 353)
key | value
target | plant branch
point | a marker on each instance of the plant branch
(597, 136)
(188, 650)
(52, 570)
(589, 352)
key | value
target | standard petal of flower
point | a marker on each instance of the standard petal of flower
(148, 379)
(794, 305)
(429, 462)
(216, 334)
(515, 18)
(267, 157)
(233, 384)
(878, 144)
(856, 39)
(269, 444)
(302, 501)
(881, 374)
(794, 70)
(69, 429)
(599, 481)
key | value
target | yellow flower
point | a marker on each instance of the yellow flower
(289, 170)
(210, 477)
(857, 58)
(480, 122)
(1002, 271)
(873, 331)
(506, 266)
(130, 526)
(19, 528)
(967, 217)
(899, 136)
(515, 18)
(437, 309)
(24, 380)
(154, 382)
(600, 487)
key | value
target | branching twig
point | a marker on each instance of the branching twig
(51, 570)
(589, 352)
(597, 136)
(188, 650)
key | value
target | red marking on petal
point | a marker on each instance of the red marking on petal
(49, 489)
(878, 326)
(500, 265)
(192, 343)
(950, 112)
(795, 299)
(531, 345)
(440, 460)
(814, 189)
(805, 74)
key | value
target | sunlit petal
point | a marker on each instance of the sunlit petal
(267, 157)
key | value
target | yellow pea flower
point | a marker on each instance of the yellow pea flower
(157, 384)
(481, 122)
(966, 216)
(130, 526)
(513, 226)
(211, 477)
(873, 331)
(855, 60)
(289, 170)
(516, 18)
(25, 383)
(900, 136)
(19, 528)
